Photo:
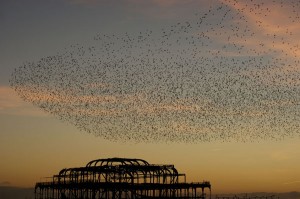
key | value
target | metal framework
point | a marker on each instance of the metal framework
(120, 178)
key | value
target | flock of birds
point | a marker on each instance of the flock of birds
(230, 74)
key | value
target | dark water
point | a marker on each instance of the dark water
(288, 195)
(16, 193)
(28, 193)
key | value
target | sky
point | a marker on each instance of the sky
(253, 155)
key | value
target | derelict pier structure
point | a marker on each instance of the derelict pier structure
(121, 178)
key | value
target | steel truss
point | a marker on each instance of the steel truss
(120, 178)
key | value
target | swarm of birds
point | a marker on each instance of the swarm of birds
(230, 74)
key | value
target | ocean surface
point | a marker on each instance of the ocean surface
(7, 192)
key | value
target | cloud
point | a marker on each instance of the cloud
(284, 154)
(270, 30)
(5, 183)
(274, 25)
(292, 182)
(11, 104)
(281, 155)
(8, 99)
(136, 103)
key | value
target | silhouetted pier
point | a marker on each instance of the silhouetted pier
(123, 179)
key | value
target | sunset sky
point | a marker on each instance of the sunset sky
(35, 144)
